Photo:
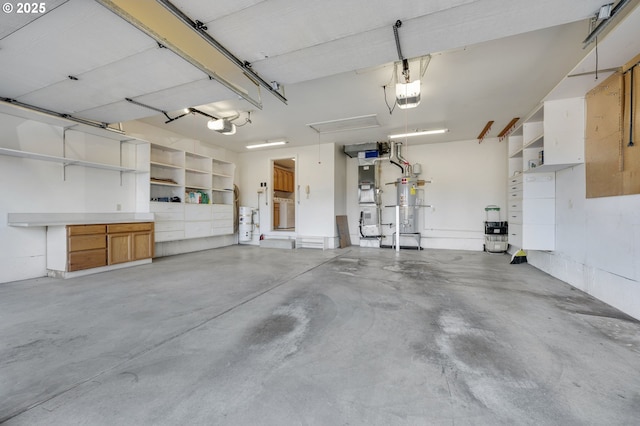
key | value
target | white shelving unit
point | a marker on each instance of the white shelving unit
(191, 194)
(551, 138)
(222, 182)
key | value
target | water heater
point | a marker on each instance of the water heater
(407, 200)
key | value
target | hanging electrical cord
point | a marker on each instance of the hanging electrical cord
(246, 120)
(395, 102)
(631, 114)
(596, 58)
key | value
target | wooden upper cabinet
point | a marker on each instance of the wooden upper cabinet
(283, 180)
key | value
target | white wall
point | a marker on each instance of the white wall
(315, 167)
(33, 186)
(466, 177)
(597, 243)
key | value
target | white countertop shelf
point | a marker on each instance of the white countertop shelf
(63, 219)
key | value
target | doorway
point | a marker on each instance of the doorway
(283, 215)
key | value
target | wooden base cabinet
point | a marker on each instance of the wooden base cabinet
(128, 242)
(93, 246)
(87, 247)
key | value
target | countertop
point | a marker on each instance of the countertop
(63, 219)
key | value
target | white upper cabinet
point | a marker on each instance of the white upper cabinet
(564, 125)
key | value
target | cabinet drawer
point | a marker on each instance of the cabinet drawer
(169, 226)
(129, 227)
(87, 259)
(169, 236)
(85, 229)
(515, 217)
(179, 215)
(198, 212)
(222, 211)
(517, 195)
(515, 235)
(223, 230)
(87, 242)
(514, 206)
(197, 229)
(166, 207)
(167, 211)
(515, 179)
(515, 187)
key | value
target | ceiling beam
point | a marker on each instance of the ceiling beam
(188, 39)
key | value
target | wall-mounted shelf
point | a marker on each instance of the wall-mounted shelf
(64, 161)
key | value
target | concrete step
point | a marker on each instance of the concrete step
(278, 243)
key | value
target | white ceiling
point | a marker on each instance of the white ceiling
(491, 60)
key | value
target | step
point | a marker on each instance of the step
(278, 243)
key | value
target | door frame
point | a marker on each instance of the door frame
(296, 189)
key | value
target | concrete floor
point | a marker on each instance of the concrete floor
(251, 336)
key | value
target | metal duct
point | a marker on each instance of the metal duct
(396, 158)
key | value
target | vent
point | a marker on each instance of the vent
(367, 150)
(344, 124)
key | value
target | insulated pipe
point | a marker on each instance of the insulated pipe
(403, 161)
(393, 156)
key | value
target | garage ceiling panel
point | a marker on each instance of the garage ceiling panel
(13, 21)
(85, 36)
(146, 72)
(203, 12)
(199, 92)
(332, 20)
(171, 99)
(115, 112)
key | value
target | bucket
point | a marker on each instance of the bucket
(493, 213)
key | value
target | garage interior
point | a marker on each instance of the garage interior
(338, 213)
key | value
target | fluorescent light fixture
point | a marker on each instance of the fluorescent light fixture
(408, 94)
(418, 133)
(266, 144)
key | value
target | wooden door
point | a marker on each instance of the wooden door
(120, 248)
(142, 244)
